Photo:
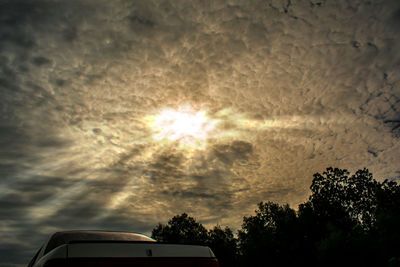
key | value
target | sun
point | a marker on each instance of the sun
(185, 126)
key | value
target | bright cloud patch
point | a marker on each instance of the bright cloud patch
(188, 127)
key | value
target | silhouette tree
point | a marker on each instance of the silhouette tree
(386, 234)
(329, 199)
(181, 229)
(348, 220)
(224, 245)
(344, 201)
(343, 217)
(269, 236)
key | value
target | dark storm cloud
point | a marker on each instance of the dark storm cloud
(21, 24)
(228, 154)
(25, 111)
(12, 254)
(206, 185)
(22, 195)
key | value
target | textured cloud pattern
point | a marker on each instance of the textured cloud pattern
(293, 86)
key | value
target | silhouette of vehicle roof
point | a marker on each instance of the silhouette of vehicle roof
(66, 237)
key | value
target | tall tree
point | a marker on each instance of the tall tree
(181, 229)
(270, 236)
(386, 234)
(344, 201)
(344, 217)
(349, 220)
(224, 245)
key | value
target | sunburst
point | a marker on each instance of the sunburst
(185, 126)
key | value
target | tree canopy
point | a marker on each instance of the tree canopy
(181, 229)
(348, 220)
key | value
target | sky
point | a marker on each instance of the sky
(120, 114)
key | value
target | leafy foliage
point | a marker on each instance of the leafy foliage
(344, 200)
(224, 245)
(181, 229)
(269, 232)
(348, 220)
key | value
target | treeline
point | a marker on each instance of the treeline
(347, 221)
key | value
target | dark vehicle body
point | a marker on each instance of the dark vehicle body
(100, 248)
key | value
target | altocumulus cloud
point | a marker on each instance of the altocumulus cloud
(293, 87)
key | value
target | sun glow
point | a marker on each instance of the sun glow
(191, 130)
(187, 127)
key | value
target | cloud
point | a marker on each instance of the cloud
(293, 87)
